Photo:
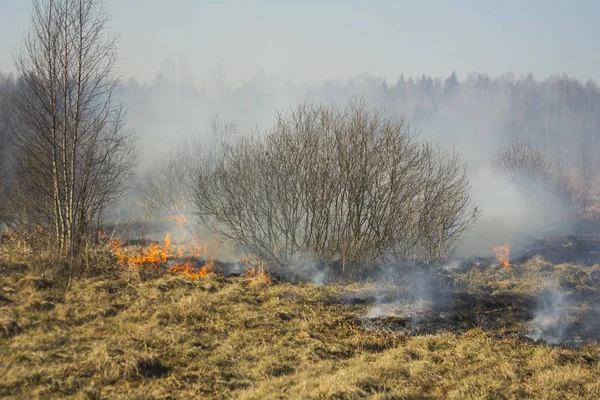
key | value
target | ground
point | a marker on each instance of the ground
(125, 335)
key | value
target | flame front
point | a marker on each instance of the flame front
(187, 269)
(117, 246)
(153, 256)
(255, 271)
(503, 254)
(157, 255)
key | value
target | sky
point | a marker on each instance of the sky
(318, 40)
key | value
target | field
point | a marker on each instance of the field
(138, 335)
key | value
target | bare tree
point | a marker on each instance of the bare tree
(586, 178)
(347, 188)
(74, 152)
(5, 92)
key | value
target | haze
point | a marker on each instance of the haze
(184, 62)
(312, 40)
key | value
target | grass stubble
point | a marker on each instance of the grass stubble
(138, 336)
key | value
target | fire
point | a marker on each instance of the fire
(180, 219)
(181, 240)
(157, 255)
(390, 312)
(199, 249)
(117, 246)
(256, 272)
(187, 269)
(154, 255)
(503, 254)
(259, 275)
(178, 216)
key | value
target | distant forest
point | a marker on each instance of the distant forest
(560, 115)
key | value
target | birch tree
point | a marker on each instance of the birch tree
(75, 155)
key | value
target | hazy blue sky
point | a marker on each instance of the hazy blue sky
(337, 39)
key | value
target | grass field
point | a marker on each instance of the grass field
(141, 336)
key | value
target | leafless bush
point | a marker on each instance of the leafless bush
(543, 180)
(523, 163)
(346, 188)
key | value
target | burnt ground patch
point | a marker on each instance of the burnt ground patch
(503, 317)
(580, 248)
(534, 302)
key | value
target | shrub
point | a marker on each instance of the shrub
(347, 189)
(545, 181)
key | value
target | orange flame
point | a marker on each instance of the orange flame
(503, 254)
(187, 269)
(256, 272)
(199, 249)
(180, 219)
(117, 246)
(181, 240)
(178, 216)
(154, 255)
(390, 312)
(258, 275)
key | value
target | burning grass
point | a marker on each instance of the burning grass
(184, 259)
(503, 254)
(170, 336)
(188, 269)
(181, 259)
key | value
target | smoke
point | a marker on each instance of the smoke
(551, 318)
(473, 118)
(306, 269)
(510, 214)
(378, 311)
(418, 295)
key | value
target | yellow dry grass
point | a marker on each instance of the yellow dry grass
(168, 337)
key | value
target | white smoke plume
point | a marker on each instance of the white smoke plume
(551, 319)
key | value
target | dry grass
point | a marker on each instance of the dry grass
(170, 337)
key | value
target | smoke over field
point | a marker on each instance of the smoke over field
(476, 116)
(292, 200)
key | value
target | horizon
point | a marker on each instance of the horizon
(205, 41)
